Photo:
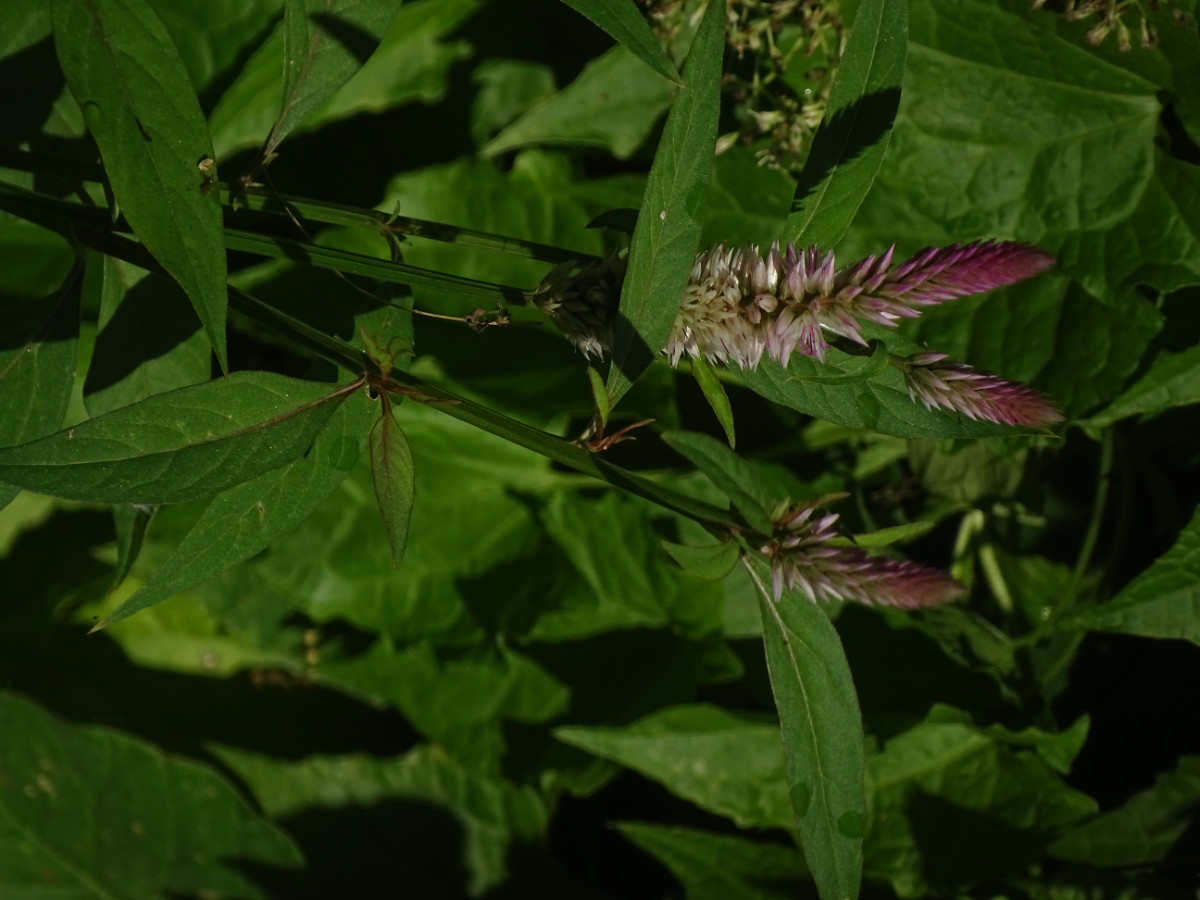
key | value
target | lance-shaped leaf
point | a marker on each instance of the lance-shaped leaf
(325, 42)
(178, 445)
(730, 473)
(850, 144)
(139, 104)
(623, 20)
(37, 366)
(243, 520)
(823, 745)
(395, 481)
(668, 226)
(129, 523)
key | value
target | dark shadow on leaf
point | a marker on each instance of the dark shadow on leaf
(847, 134)
(398, 847)
(153, 318)
(960, 847)
(357, 41)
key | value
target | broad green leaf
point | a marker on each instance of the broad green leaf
(410, 64)
(967, 472)
(1173, 380)
(714, 393)
(34, 262)
(625, 22)
(823, 743)
(324, 43)
(507, 89)
(141, 108)
(92, 812)
(619, 579)
(38, 340)
(853, 137)
(721, 866)
(711, 562)
(424, 824)
(149, 342)
(1144, 828)
(612, 105)
(178, 445)
(468, 519)
(952, 807)
(395, 483)
(731, 474)
(458, 698)
(130, 523)
(719, 761)
(243, 520)
(1058, 749)
(746, 200)
(214, 36)
(1162, 602)
(664, 241)
(857, 392)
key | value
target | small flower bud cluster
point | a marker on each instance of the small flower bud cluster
(802, 558)
(739, 305)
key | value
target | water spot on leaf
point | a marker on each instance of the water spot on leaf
(851, 825)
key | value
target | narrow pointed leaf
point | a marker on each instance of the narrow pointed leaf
(243, 520)
(730, 473)
(714, 393)
(325, 43)
(854, 133)
(178, 445)
(395, 481)
(38, 341)
(823, 744)
(668, 226)
(623, 20)
(1173, 380)
(139, 104)
(130, 523)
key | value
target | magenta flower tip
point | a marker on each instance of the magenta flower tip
(941, 383)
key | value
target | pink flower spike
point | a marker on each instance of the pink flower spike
(941, 383)
(935, 275)
(802, 558)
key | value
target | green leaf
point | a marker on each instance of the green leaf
(179, 445)
(38, 343)
(242, 521)
(173, 828)
(823, 742)
(423, 824)
(853, 137)
(625, 22)
(149, 342)
(952, 806)
(711, 562)
(668, 227)
(714, 393)
(1172, 380)
(719, 761)
(731, 474)
(324, 43)
(1144, 829)
(1162, 602)
(395, 482)
(410, 64)
(130, 523)
(141, 108)
(611, 105)
(720, 866)
(215, 36)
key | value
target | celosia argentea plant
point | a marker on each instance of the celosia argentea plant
(748, 532)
